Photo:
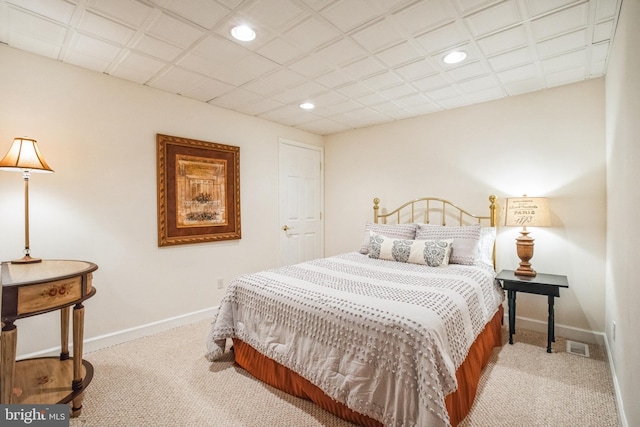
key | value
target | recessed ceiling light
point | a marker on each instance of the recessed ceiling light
(455, 57)
(307, 106)
(243, 33)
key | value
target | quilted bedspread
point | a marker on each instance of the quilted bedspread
(382, 337)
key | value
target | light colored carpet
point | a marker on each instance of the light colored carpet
(165, 380)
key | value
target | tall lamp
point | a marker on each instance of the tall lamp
(24, 156)
(526, 212)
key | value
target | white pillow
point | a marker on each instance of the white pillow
(434, 253)
(466, 241)
(399, 231)
(487, 241)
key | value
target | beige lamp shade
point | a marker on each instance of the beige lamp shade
(24, 155)
(527, 212)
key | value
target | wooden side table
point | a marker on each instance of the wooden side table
(30, 290)
(541, 284)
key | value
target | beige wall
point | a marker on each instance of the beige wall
(548, 143)
(623, 205)
(98, 134)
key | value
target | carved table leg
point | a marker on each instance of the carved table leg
(78, 332)
(8, 342)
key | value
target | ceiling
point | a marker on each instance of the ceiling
(361, 62)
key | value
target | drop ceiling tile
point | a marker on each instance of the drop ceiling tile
(603, 31)
(138, 68)
(467, 7)
(205, 13)
(537, 7)
(349, 14)
(235, 99)
(310, 66)
(333, 78)
(486, 95)
(511, 59)
(468, 71)
(565, 76)
(410, 100)
(34, 27)
(207, 89)
(599, 51)
(57, 10)
(130, 12)
(381, 81)
(416, 70)
(597, 69)
(353, 91)
(168, 28)
(478, 85)
(90, 62)
(157, 48)
(276, 81)
(566, 61)
(522, 73)
(177, 80)
(605, 9)
(443, 93)
(245, 70)
(399, 91)
(432, 82)
(562, 44)
(443, 38)
(280, 50)
(455, 102)
(92, 47)
(424, 15)
(105, 29)
(378, 36)
(35, 45)
(503, 41)
(494, 18)
(524, 86)
(324, 126)
(362, 68)
(259, 107)
(426, 108)
(274, 14)
(564, 21)
(311, 33)
(399, 54)
(299, 93)
(372, 99)
(341, 52)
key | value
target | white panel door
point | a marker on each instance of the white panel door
(301, 236)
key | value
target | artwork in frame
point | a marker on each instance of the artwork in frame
(198, 191)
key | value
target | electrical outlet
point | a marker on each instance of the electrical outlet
(220, 283)
(614, 331)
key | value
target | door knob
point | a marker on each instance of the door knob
(285, 228)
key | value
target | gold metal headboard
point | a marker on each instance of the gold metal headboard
(426, 207)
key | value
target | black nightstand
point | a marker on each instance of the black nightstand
(541, 284)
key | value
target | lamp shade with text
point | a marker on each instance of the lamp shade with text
(526, 212)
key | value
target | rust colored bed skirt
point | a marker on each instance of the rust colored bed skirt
(458, 403)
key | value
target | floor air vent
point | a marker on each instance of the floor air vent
(577, 348)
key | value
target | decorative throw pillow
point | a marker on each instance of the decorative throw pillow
(466, 241)
(434, 253)
(399, 231)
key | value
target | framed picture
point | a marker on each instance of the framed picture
(198, 191)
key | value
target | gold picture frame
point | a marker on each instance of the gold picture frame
(198, 191)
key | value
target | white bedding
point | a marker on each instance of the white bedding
(382, 337)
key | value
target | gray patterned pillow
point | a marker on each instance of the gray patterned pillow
(434, 253)
(399, 231)
(466, 241)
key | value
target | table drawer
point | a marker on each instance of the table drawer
(49, 295)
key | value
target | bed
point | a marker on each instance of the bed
(395, 333)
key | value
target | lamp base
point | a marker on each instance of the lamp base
(525, 271)
(26, 260)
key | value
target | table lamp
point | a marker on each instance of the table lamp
(24, 156)
(526, 212)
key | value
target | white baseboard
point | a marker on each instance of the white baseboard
(564, 331)
(119, 337)
(616, 387)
